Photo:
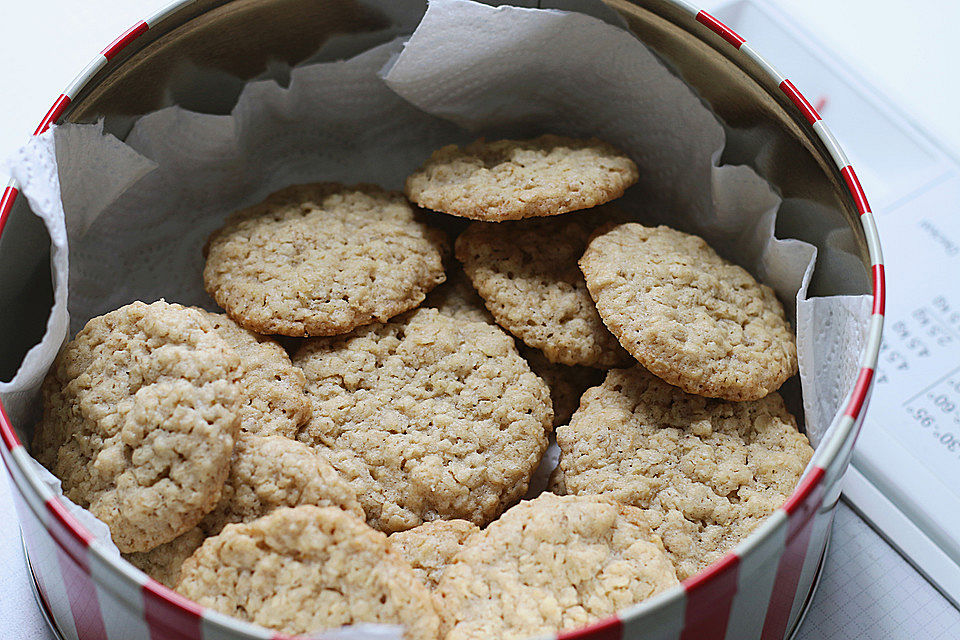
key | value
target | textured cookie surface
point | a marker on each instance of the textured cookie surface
(274, 400)
(556, 484)
(689, 316)
(707, 471)
(268, 472)
(551, 564)
(427, 417)
(163, 563)
(140, 412)
(527, 274)
(307, 569)
(321, 259)
(514, 179)
(430, 547)
(456, 297)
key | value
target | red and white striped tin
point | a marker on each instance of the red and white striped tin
(758, 590)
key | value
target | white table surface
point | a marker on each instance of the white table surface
(910, 54)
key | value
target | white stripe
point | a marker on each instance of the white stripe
(46, 565)
(828, 450)
(873, 238)
(836, 152)
(84, 76)
(758, 571)
(166, 11)
(833, 473)
(872, 349)
(751, 53)
(35, 527)
(35, 490)
(659, 618)
(692, 9)
(118, 591)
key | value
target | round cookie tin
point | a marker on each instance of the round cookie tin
(758, 590)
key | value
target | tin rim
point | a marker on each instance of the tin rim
(845, 425)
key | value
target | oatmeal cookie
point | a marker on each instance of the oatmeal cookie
(456, 297)
(687, 315)
(707, 471)
(549, 565)
(527, 274)
(163, 563)
(430, 547)
(140, 412)
(305, 569)
(427, 417)
(321, 259)
(274, 399)
(514, 179)
(556, 484)
(267, 472)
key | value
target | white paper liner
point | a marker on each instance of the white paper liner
(138, 212)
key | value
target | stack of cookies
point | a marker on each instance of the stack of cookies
(351, 441)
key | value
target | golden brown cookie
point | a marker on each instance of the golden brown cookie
(430, 547)
(140, 412)
(551, 564)
(321, 259)
(456, 297)
(274, 400)
(687, 315)
(268, 472)
(428, 417)
(556, 484)
(163, 563)
(707, 471)
(514, 179)
(307, 569)
(527, 274)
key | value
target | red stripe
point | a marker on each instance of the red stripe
(169, 615)
(720, 29)
(10, 439)
(609, 629)
(801, 496)
(6, 204)
(126, 38)
(801, 508)
(62, 102)
(879, 289)
(860, 390)
(797, 98)
(709, 598)
(853, 184)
